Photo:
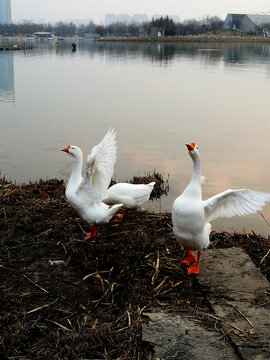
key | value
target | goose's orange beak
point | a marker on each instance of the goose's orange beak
(66, 149)
(191, 146)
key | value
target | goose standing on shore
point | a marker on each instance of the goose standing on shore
(85, 193)
(132, 196)
(191, 215)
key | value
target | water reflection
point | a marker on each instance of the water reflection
(164, 53)
(7, 93)
(158, 96)
(154, 51)
(244, 53)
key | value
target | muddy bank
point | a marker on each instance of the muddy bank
(64, 298)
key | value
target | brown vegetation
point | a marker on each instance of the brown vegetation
(64, 298)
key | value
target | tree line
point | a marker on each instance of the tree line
(168, 26)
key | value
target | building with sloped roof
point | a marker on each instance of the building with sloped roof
(246, 22)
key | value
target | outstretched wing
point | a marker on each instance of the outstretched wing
(234, 203)
(99, 167)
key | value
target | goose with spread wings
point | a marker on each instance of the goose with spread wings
(191, 215)
(86, 192)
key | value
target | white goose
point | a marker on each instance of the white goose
(132, 196)
(85, 193)
(191, 215)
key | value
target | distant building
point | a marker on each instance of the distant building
(125, 18)
(246, 22)
(5, 12)
(110, 19)
(139, 18)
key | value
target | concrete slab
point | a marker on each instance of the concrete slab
(235, 287)
(176, 336)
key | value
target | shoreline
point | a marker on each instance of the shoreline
(194, 39)
(38, 189)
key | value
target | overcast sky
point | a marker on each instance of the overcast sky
(53, 10)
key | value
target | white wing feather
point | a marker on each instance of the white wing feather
(99, 167)
(234, 203)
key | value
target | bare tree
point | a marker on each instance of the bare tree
(116, 29)
(192, 27)
(90, 27)
(265, 29)
(205, 23)
(133, 29)
(64, 29)
(100, 30)
(147, 28)
(215, 23)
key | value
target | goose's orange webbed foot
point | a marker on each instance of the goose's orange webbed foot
(93, 233)
(194, 269)
(120, 217)
(190, 258)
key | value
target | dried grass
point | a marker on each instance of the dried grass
(64, 298)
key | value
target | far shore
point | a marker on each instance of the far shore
(24, 43)
(199, 38)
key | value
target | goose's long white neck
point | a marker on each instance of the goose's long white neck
(76, 173)
(195, 183)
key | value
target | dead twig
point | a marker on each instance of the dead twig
(40, 307)
(219, 318)
(160, 285)
(44, 232)
(92, 274)
(264, 257)
(233, 306)
(115, 234)
(156, 266)
(31, 281)
(81, 227)
(61, 326)
(129, 318)
(170, 226)
(4, 267)
(264, 218)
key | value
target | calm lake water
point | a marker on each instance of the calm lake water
(158, 97)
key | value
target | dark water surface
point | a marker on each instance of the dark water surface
(158, 97)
